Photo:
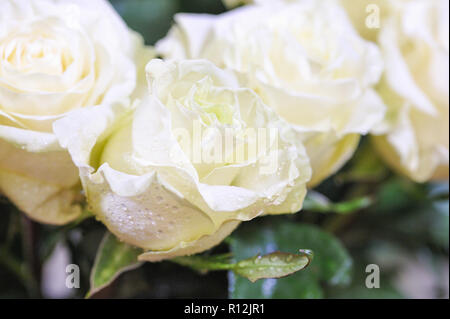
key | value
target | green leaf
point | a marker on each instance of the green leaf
(205, 263)
(398, 194)
(331, 264)
(296, 286)
(316, 202)
(417, 214)
(113, 258)
(274, 265)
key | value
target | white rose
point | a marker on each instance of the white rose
(368, 16)
(55, 56)
(166, 174)
(304, 59)
(414, 137)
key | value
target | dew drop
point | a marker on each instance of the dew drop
(274, 259)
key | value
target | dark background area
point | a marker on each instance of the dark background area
(153, 18)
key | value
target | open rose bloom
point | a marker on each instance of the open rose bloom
(415, 134)
(55, 56)
(413, 37)
(304, 59)
(148, 182)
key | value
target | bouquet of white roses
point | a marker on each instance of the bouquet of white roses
(269, 108)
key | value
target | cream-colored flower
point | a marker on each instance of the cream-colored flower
(175, 172)
(414, 137)
(55, 56)
(305, 60)
(368, 16)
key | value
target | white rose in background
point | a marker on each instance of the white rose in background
(306, 61)
(55, 56)
(368, 16)
(145, 179)
(414, 137)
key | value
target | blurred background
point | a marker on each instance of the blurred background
(153, 18)
(372, 216)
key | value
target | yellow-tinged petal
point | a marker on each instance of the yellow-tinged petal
(191, 248)
(414, 136)
(44, 184)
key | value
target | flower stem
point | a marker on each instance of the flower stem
(30, 253)
(14, 266)
(201, 263)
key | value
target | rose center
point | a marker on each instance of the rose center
(210, 102)
(36, 52)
